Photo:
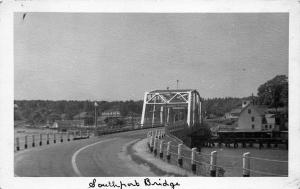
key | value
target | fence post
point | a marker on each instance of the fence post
(18, 144)
(41, 138)
(47, 138)
(180, 155)
(80, 134)
(74, 135)
(246, 164)
(213, 164)
(161, 148)
(61, 137)
(33, 141)
(26, 141)
(155, 146)
(54, 137)
(193, 158)
(168, 151)
(68, 136)
(148, 139)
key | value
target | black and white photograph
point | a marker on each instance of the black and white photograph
(154, 98)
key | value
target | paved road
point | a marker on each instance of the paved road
(103, 156)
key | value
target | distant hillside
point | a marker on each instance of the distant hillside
(39, 111)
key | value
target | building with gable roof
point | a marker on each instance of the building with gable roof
(256, 118)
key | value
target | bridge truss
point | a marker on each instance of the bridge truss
(171, 107)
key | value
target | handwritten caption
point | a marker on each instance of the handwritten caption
(147, 182)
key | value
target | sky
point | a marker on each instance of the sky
(119, 56)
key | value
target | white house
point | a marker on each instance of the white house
(256, 118)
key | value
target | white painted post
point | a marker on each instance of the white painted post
(168, 151)
(61, 137)
(180, 155)
(246, 164)
(33, 141)
(54, 137)
(26, 142)
(161, 148)
(18, 144)
(47, 138)
(41, 139)
(68, 135)
(155, 146)
(144, 110)
(193, 158)
(152, 143)
(213, 164)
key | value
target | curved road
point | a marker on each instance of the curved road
(98, 156)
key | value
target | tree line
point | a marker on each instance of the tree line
(273, 93)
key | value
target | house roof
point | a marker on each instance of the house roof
(111, 110)
(261, 109)
(81, 115)
(236, 110)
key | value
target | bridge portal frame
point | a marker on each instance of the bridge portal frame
(189, 97)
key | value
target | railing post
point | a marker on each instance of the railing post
(80, 134)
(193, 158)
(18, 143)
(68, 135)
(168, 151)
(151, 143)
(26, 142)
(213, 164)
(179, 159)
(246, 164)
(54, 137)
(155, 146)
(74, 135)
(148, 139)
(41, 138)
(33, 141)
(47, 138)
(161, 148)
(61, 137)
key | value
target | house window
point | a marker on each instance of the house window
(249, 111)
(266, 126)
(270, 126)
(252, 118)
(253, 126)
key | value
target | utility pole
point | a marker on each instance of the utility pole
(96, 105)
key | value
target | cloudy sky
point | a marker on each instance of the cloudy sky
(93, 56)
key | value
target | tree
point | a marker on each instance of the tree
(274, 92)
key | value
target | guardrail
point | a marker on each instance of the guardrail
(173, 151)
(34, 140)
(105, 131)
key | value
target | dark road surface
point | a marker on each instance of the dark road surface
(98, 156)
